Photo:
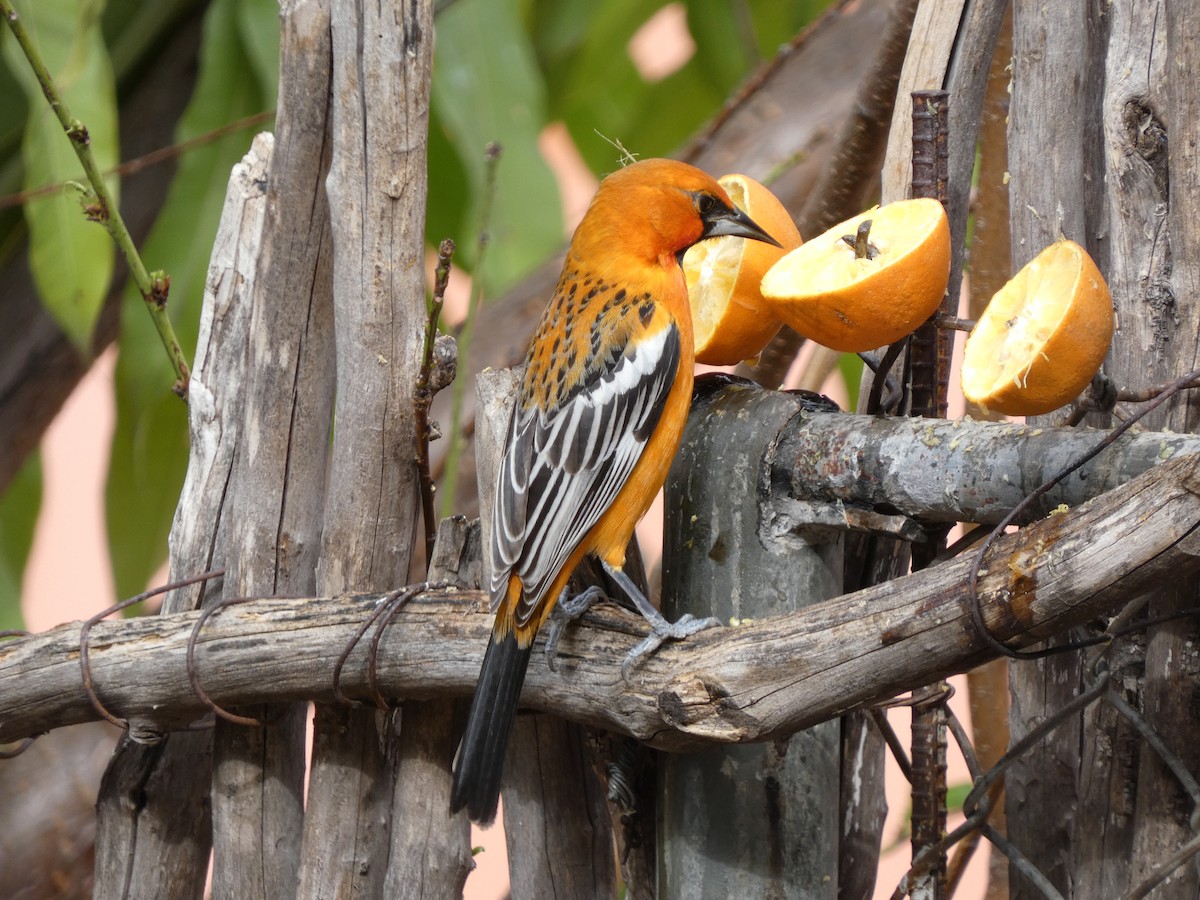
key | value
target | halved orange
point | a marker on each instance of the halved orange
(830, 293)
(723, 274)
(1042, 337)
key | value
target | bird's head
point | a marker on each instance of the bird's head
(661, 207)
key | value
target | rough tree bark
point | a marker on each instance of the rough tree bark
(991, 267)
(154, 827)
(274, 498)
(429, 860)
(1053, 150)
(1163, 815)
(1102, 151)
(382, 59)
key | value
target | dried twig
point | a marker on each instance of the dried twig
(146, 160)
(425, 391)
(923, 630)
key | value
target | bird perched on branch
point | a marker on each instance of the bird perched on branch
(599, 416)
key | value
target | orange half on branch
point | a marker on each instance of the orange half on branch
(723, 274)
(867, 282)
(1042, 337)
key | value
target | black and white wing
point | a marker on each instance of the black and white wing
(563, 467)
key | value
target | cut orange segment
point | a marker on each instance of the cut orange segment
(723, 274)
(1042, 337)
(830, 293)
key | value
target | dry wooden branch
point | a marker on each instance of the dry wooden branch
(272, 509)
(949, 471)
(767, 805)
(756, 681)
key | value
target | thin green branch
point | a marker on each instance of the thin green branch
(152, 286)
(454, 450)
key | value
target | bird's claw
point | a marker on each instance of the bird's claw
(566, 611)
(662, 631)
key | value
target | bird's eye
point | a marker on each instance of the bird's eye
(705, 203)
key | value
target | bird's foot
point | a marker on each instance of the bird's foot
(567, 611)
(660, 631)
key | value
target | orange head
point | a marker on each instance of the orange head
(658, 208)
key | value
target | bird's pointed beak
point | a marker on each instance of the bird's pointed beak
(735, 223)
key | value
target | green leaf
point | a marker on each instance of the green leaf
(571, 36)
(18, 517)
(149, 448)
(149, 461)
(851, 366)
(71, 258)
(719, 29)
(12, 118)
(593, 84)
(775, 24)
(674, 110)
(486, 87)
(258, 25)
(732, 39)
(449, 194)
(134, 29)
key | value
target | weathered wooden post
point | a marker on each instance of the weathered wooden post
(154, 822)
(752, 820)
(381, 60)
(555, 819)
(1102, 148)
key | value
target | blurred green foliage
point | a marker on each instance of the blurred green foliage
(71, 258)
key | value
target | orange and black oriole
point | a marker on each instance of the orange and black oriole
(597, 422)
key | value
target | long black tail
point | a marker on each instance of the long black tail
(480, 759)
